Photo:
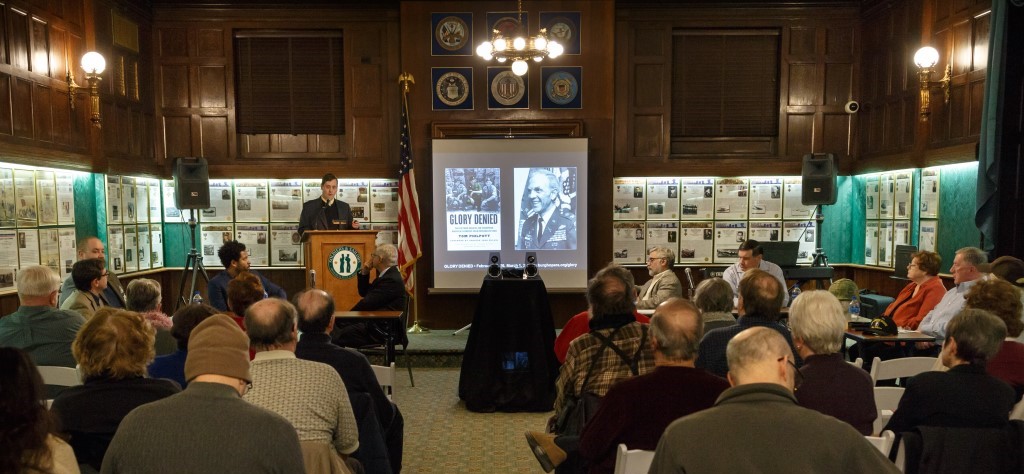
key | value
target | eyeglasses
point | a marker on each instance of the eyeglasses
(798, 378)
(651, 259)
(913, 265)
(104, 274)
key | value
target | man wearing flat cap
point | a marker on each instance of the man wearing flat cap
(207, 427)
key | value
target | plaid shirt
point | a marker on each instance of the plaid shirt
(610, 367)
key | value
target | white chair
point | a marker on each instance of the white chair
(858, 363)
(883, 442)
(59, 376)
(898, 368)
(632, 461)
(886, 401)
(386, 378)
(1018, 411)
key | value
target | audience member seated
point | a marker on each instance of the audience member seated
(112, 350)
(714, 298)
(207, 427)
(27, 432)
(244, 291)
(760, 304)
(309, 394)
(673, 390)
(751, 257)
(387, 292)
(664, 283)
(965, 396)
(235, 259)
(1000, 298)
(579, 325)
(38, 327)
(592, 365)
(829, 384)
(965, 274)
(113, 294)
(172, 366)
(143, 296)
(90, 279)
(757, 425)
(1010, 269)
(316, 320)
(916, 300)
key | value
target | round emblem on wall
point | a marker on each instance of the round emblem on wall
(507, 88)
(561, 88)
(562, 30)
(344, 262)
(452, 89)
(451, 33)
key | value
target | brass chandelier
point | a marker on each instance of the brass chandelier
(520, 47)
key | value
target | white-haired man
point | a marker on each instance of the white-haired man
(38, 327)
(386, 292)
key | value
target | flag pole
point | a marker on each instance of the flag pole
(409, 220)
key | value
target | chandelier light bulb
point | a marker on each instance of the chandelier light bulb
(501, 59)
(540, 42)
(500, 44)
(484, 50)
(519, 43)
(519, 67)
(538, 58)
(554, 49)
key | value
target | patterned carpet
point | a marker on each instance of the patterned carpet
(441, 436)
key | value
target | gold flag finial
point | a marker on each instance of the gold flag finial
(405, 79)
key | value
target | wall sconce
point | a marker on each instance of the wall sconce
(94, 65)
(926, 58)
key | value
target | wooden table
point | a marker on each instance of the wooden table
(914, 336)
(391, 317)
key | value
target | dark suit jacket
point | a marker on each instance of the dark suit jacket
(387, 292)
(559, 233)
(312, 219)
(964, 397)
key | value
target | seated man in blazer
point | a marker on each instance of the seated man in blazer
(386, 293)
(326, 212)
(113, 294)
(90, 277)
(664, 283)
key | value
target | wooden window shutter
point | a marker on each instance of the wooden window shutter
(725, 83)
(290, 82)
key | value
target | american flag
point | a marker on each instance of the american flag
(409, 241)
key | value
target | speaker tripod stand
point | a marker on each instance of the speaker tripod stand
(193, 261)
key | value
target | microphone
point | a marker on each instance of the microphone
(312, 278)
(689, 279)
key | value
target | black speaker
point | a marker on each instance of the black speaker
(531, 270)
(191, 183)
(493, 267)
(819, 179)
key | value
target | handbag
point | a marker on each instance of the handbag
(579, 409)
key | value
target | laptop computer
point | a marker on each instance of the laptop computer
(783, 254)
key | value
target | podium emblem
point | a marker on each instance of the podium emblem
(344, 262)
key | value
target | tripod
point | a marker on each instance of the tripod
(820, 259)
(194, 261)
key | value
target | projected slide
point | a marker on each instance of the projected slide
(510, 196)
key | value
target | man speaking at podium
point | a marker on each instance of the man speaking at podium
(326, 212)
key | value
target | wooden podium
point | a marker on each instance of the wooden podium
(337, 256)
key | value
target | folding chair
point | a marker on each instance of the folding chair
(59, 376)
(401, 338)
(886, 401)
(858, 363)
(386, 378)
(883, 442)
(632, 461)
(900, 368)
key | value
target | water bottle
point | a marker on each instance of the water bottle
(197, 298)
(854, 308)
(793, 293)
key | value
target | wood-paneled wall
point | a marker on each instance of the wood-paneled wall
(195, 99)
(818, 73)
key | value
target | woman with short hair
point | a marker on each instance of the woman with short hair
(112, 349)
(714, 299)
(829, 384)
(143, 295)
(920, 296)
(1001, 298)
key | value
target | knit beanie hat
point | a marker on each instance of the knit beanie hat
(218, 346)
